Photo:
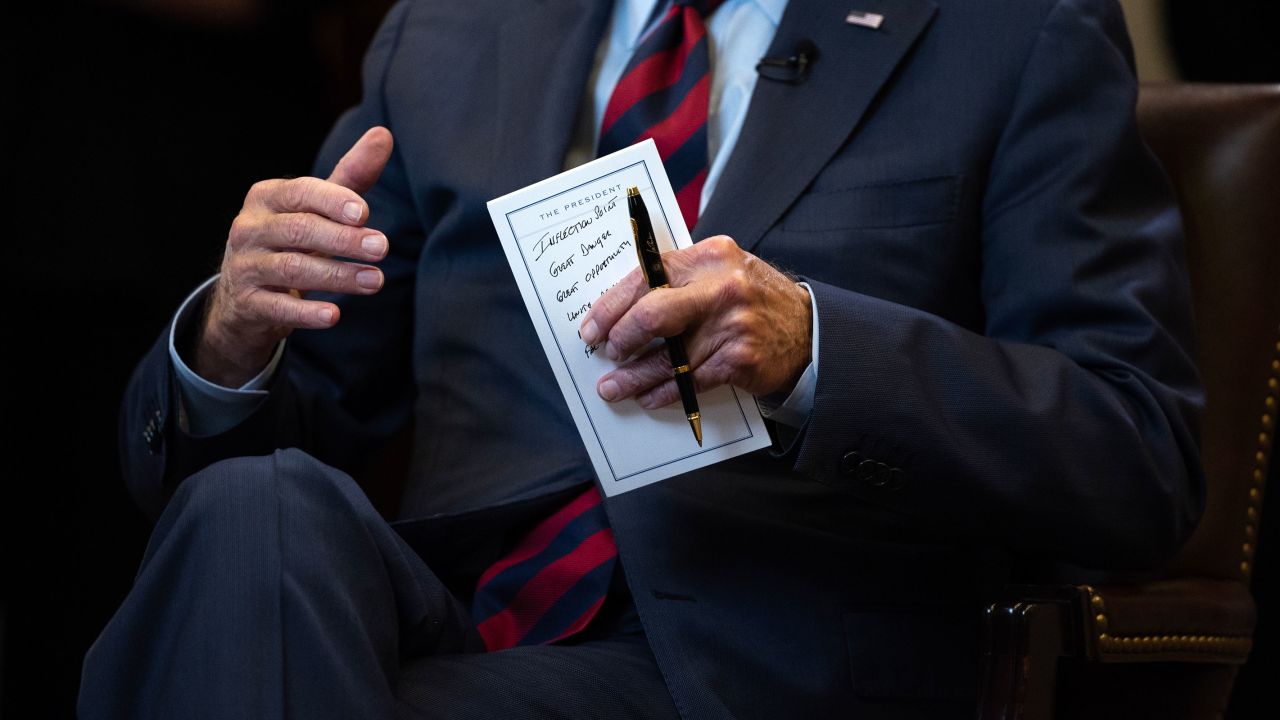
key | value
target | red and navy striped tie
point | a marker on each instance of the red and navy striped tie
(553, 582)
(663, 95)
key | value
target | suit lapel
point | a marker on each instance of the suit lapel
(545, 53)
(792, 131)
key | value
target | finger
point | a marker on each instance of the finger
(360, 167)
(651, 380)
(285, 309)
(309, 195)
(683, 267)
(637, 376)
(610, 306)
(705, 378)
(309, 273)
(660, 395)
(665, 312)
(307, 232)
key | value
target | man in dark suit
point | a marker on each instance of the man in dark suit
(1001, 370)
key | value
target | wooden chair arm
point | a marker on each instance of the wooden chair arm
(1184, 620)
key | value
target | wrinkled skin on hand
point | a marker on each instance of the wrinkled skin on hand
(744, 323)
(282, 245)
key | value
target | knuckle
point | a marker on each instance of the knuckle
(646, 318)
(660, 395)
(234, 269)
(722, 246)
(292, 267)
(716, 371)
(610, 303)
(294, 314)
(295, 229)
(282, 311)
(739, 356)
(293, 193)
(735, 287)
(338, 273)
(740, 324)
(617, 339)
(346, 241)
(259, 190)
(704, 379)
(273, 308)
(720, 375)
(241, 232)
(245, 306)
(648, 371)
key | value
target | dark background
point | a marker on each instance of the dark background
(135, 128)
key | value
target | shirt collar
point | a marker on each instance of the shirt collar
(772, 9)
(637, 13)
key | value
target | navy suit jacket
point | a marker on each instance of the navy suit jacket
(1004, 372)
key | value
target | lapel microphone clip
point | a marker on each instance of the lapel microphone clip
(791, 70)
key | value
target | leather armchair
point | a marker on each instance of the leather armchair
(1168, 645)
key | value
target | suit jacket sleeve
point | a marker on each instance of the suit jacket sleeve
(1068, 428)
(339, 393)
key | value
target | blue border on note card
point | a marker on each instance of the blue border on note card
(529, 271)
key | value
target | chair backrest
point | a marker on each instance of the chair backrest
(1220, 145)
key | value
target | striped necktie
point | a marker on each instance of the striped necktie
(552, 583)
(663, 95)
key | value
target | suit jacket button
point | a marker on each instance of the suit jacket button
(897, 479)
(875, 473)
(866, 470)
(849, 463)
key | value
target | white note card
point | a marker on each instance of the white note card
(568, 239)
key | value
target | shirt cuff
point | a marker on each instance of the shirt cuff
(206, 408)
(794, 411)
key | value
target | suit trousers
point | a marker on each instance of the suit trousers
(272, 588)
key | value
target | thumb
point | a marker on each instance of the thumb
(360, 167)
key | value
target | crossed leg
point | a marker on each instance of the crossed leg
(271, 588)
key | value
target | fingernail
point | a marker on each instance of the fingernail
(369, 279)
(589, 332)
(646, 401)
(374, 244)
(609, 390)
(326, 316)
(352, 211)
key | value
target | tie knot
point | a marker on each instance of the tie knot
(704, 7)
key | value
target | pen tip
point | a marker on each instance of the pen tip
(695, 422)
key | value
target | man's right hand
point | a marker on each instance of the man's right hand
(281, 246)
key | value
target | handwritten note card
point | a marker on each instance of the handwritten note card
(568, 239)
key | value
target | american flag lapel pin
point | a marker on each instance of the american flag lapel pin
(864, 19)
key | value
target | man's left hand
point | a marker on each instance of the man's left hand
(744, 323)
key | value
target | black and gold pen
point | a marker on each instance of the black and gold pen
(656, 276)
